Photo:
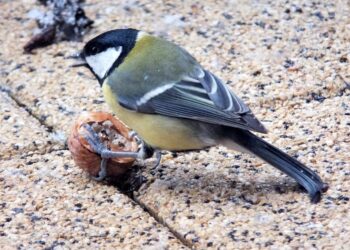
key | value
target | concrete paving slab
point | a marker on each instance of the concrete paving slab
(21, 133)
(289, 61)
(47, 202)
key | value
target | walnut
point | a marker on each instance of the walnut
(112, 132)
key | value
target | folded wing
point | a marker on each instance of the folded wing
(198, 96)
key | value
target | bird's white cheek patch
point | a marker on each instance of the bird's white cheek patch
(103, 61)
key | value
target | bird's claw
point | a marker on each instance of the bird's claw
(99, 148)
(94, 140)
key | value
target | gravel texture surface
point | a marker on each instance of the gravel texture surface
(20, 132)
(46, 202)
(290, 61)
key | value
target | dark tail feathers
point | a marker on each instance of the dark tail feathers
(287, 164)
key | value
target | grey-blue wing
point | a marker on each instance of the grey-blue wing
(198, 96)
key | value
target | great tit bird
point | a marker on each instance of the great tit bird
(159, 90)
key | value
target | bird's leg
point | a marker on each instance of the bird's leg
(158, 157)
(134, 135)
(98, 147)
(145, 150)
(148, 150)
(103, 170)
(158, 154)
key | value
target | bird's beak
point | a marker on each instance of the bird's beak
(79, 60)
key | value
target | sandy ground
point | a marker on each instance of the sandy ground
(289, 61)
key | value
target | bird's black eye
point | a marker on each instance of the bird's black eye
(94, 50)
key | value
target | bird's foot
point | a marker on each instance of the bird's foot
(148, 151)
(134, 135)
(98, 147)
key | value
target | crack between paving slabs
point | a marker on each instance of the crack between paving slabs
(47, 127)
(154, 215)
(26, 108)
(130, 193)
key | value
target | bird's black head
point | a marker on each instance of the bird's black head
(106, 51)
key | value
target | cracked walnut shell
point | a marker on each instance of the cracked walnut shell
(112, 132)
